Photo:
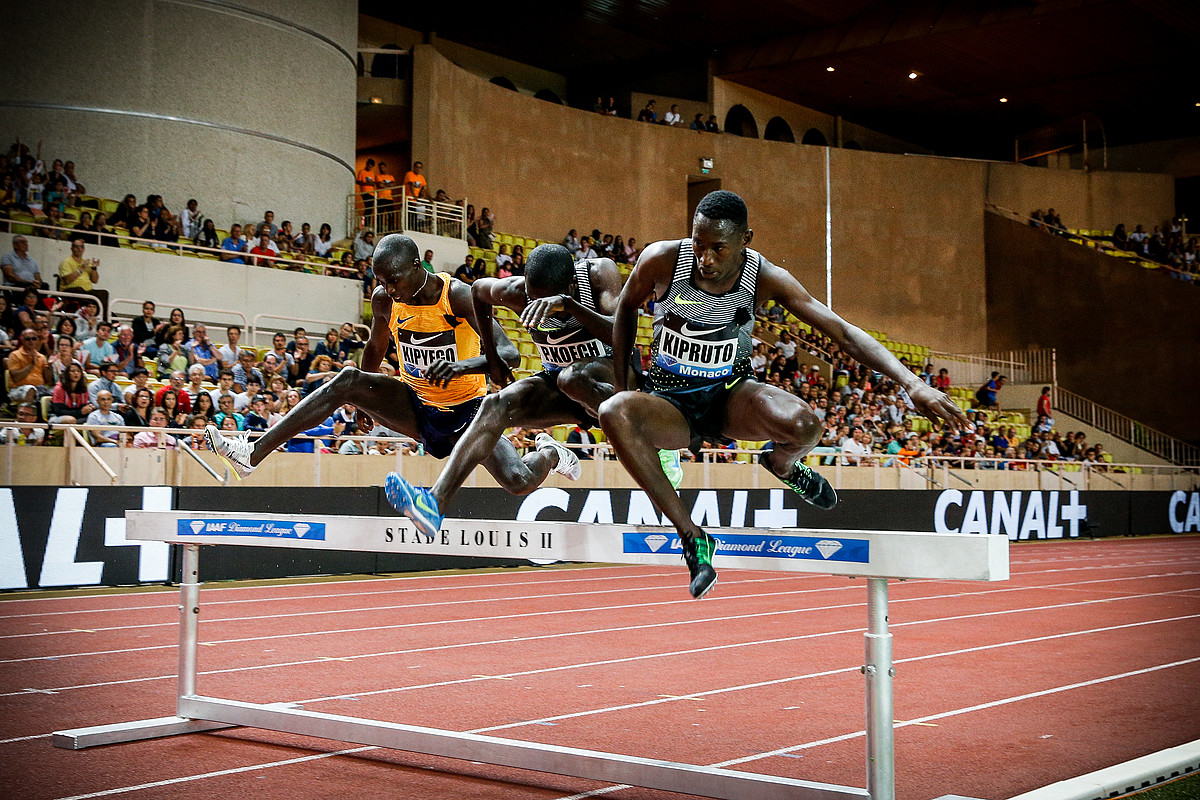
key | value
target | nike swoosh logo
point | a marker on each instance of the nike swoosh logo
(425, 505)
(679, 299)
(418, 342)
(687, 331)
(402, 321)
(563, 338)
(735, 383)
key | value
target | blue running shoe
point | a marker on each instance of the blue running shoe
(415, 503)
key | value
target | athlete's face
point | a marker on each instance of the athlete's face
(401, 280)
(719, 246)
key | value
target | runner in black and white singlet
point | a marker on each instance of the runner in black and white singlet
(705, 291)
(568, 309)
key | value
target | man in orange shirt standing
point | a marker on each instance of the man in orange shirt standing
(414, 188)
(365, 181)
(384, 181)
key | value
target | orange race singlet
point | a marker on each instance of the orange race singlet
(425, 334)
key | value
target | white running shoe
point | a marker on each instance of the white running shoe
(235, 450)
(568, 462)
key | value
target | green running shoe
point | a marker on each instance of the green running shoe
(804, 481)
(671, 466)
(697, 554)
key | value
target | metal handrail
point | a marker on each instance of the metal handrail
(1125, 428)
(91, 451)
(205, 309)
(253, 331)
(177, 248)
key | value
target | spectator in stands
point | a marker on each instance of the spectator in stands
(69, 400)
(126, 213)
(178, 380)
(985, 395)
(137, 413)
(207, 235)
(97, 349)
(321, 372)
(225, 409)
(267, 224)
(19, 268)
(472, 273)
(673, 117)
(173, 353)
(24, 435)
(142, 226)
(158, 419)
(385, 181)
(697, 123)
(261, 254)
(323, 243)
(104, 234)
(245, 370)
(427, 261)
(364, 245)
(711, 125)
(586, 250)
(503, 259)
(305, 241)
(146, 326)
(349, 342)
(258, 417)
(328, 347)
(518, 265)
(227, 354)
(77, 273)
(29, 374)
(1138, 240)
(571, 242)
(225, 387)
(105, 415)
(177, 318)
(364, 180)
(128, 353)
(583, 437)
(1120, 237)
(648, 114)
(64, 355)
(284, 238)
(141, 380)
(414, 180)
(203, 352)
(84, 229)
(85, 319)
(191, 220)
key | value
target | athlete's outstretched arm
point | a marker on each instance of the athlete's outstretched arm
(463, 306)
(377, 343)
(485, 293)
(652, 271)
(775, 283)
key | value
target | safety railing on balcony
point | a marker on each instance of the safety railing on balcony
(404, 214)
(1125, 428)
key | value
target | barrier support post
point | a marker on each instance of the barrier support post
(881, 746)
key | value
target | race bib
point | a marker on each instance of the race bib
(418, 351)
(694, 350)
(560, 349)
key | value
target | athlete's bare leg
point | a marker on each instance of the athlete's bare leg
(528, 402)
(639, 425)
(589, 383)
(758, 411)
(386, 399)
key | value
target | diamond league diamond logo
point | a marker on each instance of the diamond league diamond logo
(196, 525)
(655, 541)
(828, 547)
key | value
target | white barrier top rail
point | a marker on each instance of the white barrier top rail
(870, 554)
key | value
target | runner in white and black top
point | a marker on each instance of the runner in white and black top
(701, 386)
(568, 310)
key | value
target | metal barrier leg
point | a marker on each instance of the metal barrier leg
(189, 615)
(881, 747)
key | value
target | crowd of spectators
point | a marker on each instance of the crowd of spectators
(1166, 245)
(62, 210)
(672, 118)
(602, 245)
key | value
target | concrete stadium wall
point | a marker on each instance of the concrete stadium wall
(245, 109)
(1126, 337)
(169, 280)
(908, 242)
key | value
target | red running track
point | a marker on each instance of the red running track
(1088, 657)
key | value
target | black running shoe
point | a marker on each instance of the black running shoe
(697, 554)
(804, 481)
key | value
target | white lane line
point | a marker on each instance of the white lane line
(844, 587)
(773, 578)
(256, 667)
(217, 774)
(409, 605)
